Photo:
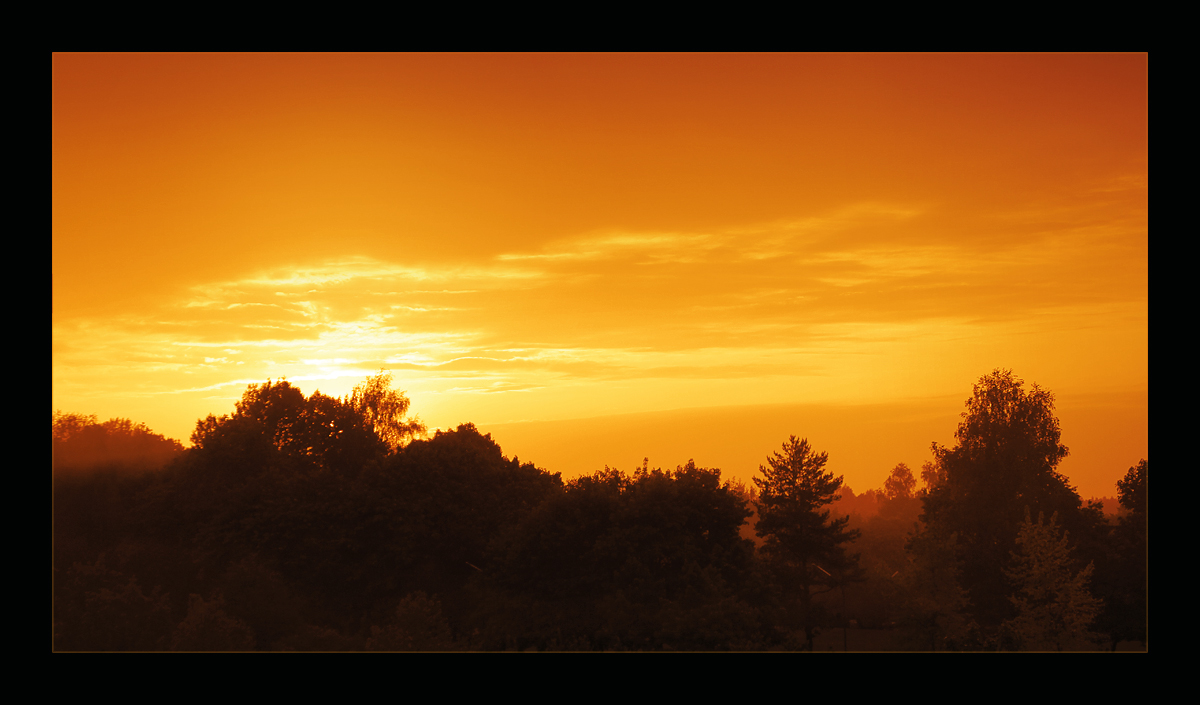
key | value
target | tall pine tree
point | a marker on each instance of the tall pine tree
(805, 547)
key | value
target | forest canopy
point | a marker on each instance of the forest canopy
(319, 523)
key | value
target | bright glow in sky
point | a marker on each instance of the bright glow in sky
(542, 238)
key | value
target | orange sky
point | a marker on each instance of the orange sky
(710, 252)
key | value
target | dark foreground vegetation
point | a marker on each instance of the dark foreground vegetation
(336, 524)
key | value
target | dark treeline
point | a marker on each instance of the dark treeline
(338, 524)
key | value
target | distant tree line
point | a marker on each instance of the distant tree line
(334, 524)
(81, 444)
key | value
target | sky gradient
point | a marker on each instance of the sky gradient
(710, 252)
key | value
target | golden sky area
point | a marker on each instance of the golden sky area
(710, 252)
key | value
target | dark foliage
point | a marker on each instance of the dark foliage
(804, 545)
(1122, 564)
(326, 524)
(648, 561)
(1002, 466)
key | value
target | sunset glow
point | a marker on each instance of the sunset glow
(600, 258)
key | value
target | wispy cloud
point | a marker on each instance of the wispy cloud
(810, 298)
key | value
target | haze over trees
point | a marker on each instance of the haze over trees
(318, 523)
(900, 484)
(81, 444)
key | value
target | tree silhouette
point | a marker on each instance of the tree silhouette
(933, 475)
(1003, 463)
(384, 410)
(1131, 490)
(804, 546)
(274, 420)
(900, 483)
(1123, 574)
